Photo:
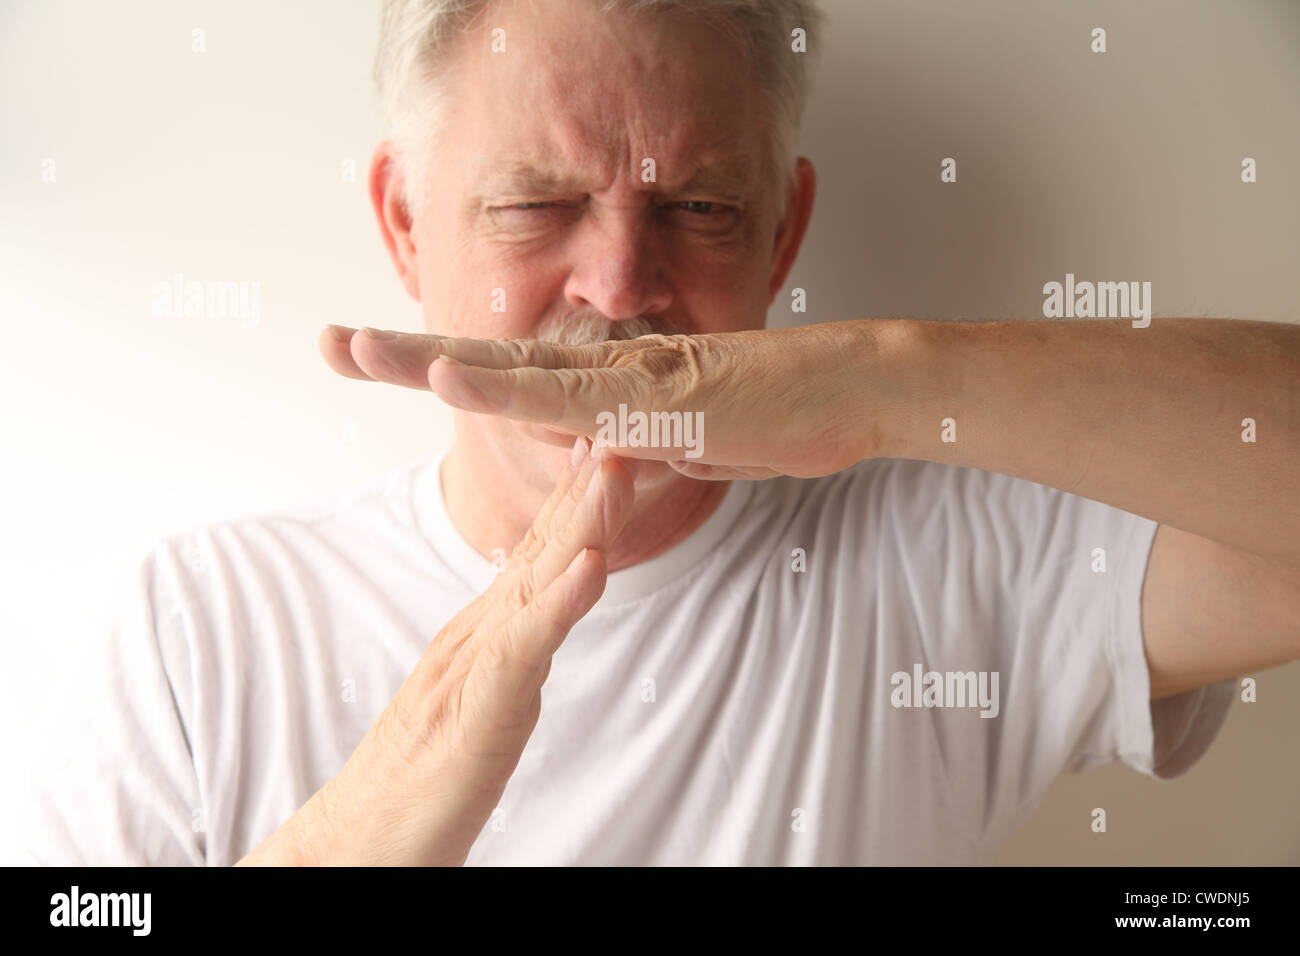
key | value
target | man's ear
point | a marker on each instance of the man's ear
(387, 196)
(789, 234)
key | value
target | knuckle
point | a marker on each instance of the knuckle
(394, 723)
(520, 351)
(529, 545)
(516, 589)
(405, 738)
(510, 589)
(421, 726)
(678, 358)
(497, 655)
(500, 660)
(528, 582)
(545, 611)
(575, 385)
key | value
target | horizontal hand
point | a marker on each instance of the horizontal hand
(760, 403)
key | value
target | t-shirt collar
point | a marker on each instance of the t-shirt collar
(627, 584)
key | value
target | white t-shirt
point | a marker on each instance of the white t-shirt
(717, 706)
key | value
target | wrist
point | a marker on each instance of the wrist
(891, 388)
(281, 848)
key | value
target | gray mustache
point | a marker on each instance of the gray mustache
(590, 329)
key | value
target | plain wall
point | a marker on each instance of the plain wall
(230, 164)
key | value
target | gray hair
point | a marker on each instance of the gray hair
(414, 36)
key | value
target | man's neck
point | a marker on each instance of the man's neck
(489, 516)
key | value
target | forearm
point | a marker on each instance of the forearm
(302, 840)
(1147, 420)
(363, 818)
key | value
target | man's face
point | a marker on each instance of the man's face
(538, 199)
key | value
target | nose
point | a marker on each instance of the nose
(619, 266)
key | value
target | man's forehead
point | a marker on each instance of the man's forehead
(671, 89)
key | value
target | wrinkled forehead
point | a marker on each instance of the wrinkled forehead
(560, 88)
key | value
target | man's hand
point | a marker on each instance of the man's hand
(420, 786)
(772, 401)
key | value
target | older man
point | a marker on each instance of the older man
(908, 573)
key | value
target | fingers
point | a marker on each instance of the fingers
(569, 575)
(525, 353)
(554, 585)
(404, 358)
(554, 581)
(397, 358)
(407, 348)
(515, 664)
(535, 634)
(568, 399)
(563, 386)
(559, 506)
(595, 522)
(514, 586)
(722, 472)
(588, 514)
(374, 355)
(496, 605)
(335, 349)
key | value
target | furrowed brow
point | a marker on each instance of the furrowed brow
(734, 178)
(525, 178)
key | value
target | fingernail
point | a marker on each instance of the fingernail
(378, 333)
(576, 562)
(579, 451)
(449, 360)
(339, 332)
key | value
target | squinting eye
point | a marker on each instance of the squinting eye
(534, 214)
(703, 216)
